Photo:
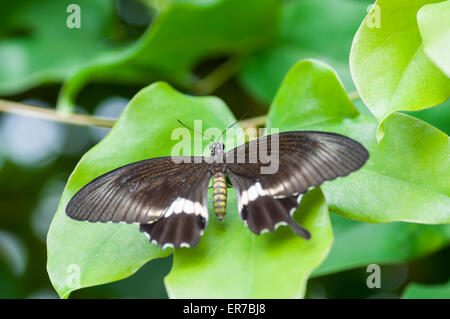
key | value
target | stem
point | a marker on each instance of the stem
(217, 78)
(50, 114)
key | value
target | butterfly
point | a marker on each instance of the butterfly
(167, 196)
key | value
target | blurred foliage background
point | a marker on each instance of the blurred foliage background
(125, 50)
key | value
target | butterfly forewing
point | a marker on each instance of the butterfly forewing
(302, 160)
(145, 192)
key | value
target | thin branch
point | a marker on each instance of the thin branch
(205, 86)
(217, 78)
(53, 115)
(88, 120)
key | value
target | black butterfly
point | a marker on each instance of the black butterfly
(167, 196)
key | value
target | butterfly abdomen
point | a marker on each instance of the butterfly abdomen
(219, 195)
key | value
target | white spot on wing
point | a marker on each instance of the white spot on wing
(199, 209)
(179, 205)
(188, 207)
(280, 224)
(167, 245)
(169, 211)
(252, 193)
(292, 211)
(259, 189)
(244, 198)
(184, 205)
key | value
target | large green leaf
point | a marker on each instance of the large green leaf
(36, 46)
(388, 63)
(434, 26)
(232, 262)
(358, 244)
(321, 29)
(418, 291)
(183, 33)
(108, 252)
(407, 175)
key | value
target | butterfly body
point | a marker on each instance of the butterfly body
(219, 195)
(167, 196)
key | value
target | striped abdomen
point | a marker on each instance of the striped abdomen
(219, 195)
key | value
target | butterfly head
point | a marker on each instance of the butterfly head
(216, 148)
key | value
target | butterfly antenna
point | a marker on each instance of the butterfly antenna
(242, 117)
(195, 131)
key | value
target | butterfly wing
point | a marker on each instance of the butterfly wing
(166, 195)
(303, 159)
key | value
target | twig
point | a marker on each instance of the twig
(217, 78)
(51, 114)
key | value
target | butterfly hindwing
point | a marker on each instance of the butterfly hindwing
(148, 192)
(304, 159)
(184, 221)
(262, 212)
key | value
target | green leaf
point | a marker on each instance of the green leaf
(358, 244)
(407, 175)
(434, 27)
(109, 252)
(183, 33)
(37, 47)
(388, 63)
(232, 262)
(418, 291)
(321, 29)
